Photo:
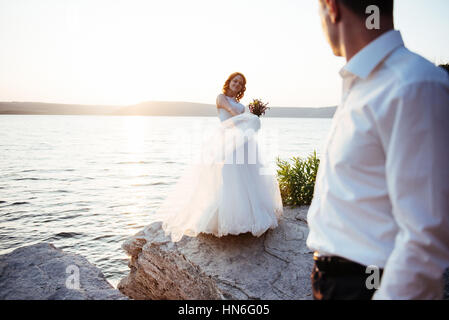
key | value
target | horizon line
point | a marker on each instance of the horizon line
(153, 101)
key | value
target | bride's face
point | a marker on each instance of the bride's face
(236, 84)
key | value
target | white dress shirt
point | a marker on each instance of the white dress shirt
(382, 191)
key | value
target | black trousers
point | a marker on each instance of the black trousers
(340, 280)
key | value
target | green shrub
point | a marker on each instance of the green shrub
(297, 179)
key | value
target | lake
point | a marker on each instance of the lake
(86, 183)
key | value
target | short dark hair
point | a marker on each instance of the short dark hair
(359, 6)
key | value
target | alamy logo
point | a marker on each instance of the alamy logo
(73, 280)
(373, 280)
(373, 21)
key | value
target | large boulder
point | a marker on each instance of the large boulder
(43, 272)
(276, 265)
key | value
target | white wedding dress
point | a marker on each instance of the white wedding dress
(228, 190)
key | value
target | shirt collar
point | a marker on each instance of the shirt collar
(367, 59)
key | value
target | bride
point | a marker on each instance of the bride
(228, 189)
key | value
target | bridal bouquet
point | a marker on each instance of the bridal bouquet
(257, 107)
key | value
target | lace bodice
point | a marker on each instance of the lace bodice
(237, 106)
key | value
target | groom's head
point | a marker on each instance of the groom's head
(344, 21)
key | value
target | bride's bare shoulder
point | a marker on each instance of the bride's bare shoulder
(221, 96)
(221, 99)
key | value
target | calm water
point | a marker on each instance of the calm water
(85, 183)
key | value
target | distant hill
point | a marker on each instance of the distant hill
(152, 108)
(55, 108)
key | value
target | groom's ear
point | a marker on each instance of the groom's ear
(333, 10)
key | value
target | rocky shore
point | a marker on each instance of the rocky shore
(44, 272)
(276, 265)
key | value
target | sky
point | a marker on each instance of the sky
(121, 52)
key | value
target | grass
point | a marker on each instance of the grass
(297, 179)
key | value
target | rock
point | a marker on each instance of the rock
(44, 272)
(446, 284)
(276, 265)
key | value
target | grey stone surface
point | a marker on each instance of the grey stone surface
(40, 272)
(276, 265)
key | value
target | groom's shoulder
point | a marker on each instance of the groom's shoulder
(407, 68)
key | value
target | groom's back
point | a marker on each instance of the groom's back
(397, 79)
(380, 163)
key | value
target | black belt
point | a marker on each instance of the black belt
(339, 266)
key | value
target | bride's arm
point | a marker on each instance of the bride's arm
(224, 104)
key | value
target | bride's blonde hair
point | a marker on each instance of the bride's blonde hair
(241, 93)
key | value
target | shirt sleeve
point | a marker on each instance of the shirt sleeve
(414, 130)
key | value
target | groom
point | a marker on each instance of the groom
(380, 214)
